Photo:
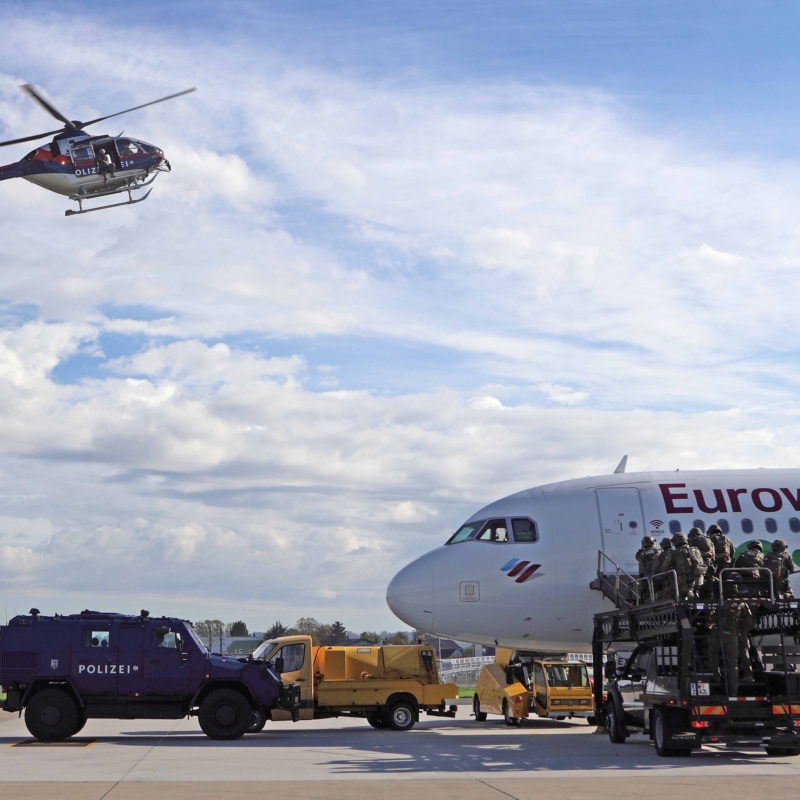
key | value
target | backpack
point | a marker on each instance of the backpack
(774, 563)
(750, 558)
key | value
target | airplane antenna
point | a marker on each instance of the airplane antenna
(621, 466)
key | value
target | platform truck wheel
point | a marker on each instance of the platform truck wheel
(52, 715)
(512, 721)
(783, 751)
(613, 725)
(258, 721)
(663, 728)
(480, 716)
(402, 716)
(225, 714)
(378, 720)
(591, 719)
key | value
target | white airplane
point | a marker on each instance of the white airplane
(517, 573)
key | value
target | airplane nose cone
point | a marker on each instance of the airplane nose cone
(410, 595)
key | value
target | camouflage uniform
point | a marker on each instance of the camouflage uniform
(724, 548)
(687, 563)
(705, 582)
(781, 565)
(729, 636)
(752, 557)
(648, 557)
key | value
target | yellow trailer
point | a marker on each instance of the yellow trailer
(519, 684)
(388, 685)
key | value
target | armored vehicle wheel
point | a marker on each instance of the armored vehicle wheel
(613, 726)
(378, 720)
(512, 721)
(52, 715)
(225, 714)
(480, 716)
(257, 722)
(81, 723)
(402, 716)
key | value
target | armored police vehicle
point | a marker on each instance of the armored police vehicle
(64, 670)
(720, 670)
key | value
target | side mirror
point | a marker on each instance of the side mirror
(279, 665)
(610, 670)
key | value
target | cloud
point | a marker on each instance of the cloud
(370, 308)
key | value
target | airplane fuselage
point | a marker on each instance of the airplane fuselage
(535, 594)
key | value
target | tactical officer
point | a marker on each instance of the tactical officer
(729, 636)
(781, 565)
(753, 556)
(700, 542)
(724, 548)
(105, 165)
(687, 563)
(648, 557)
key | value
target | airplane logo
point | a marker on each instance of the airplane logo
(521, 570)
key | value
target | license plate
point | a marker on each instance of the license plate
(700, 689)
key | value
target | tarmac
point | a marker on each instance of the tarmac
(440, 759)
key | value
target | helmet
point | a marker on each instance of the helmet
(648, 541)
(778, 545)
(678, 538)
(714, 529)
(666, 543)
(755, 545)
(694, 532)
(101, 150)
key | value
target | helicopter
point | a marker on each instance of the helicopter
(85, 167)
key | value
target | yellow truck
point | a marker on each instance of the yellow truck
(388, 685)
(519, 684)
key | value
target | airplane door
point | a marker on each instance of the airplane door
(621, 525)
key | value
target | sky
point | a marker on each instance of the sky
(411, 258)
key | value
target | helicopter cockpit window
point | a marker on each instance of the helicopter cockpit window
(126, 147)
(30, 155)
(83, 153)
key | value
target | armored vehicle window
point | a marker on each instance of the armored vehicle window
(164, 637)
(293, 656)
(674, 526)
(771, 525)
(794, 525)
(90, 638)
(464, 532)
(496, 530)
(524, 530)
(747, 525)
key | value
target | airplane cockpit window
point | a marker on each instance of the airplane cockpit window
(495, 530)
(524, 530)
(465, 532)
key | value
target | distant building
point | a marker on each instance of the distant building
(241, 645)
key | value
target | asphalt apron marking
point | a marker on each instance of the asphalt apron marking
(68, 743)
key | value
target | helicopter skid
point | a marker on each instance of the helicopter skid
(129, 202)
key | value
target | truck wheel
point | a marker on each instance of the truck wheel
(512, 721)
(591, 719)
(663, 728)
(257, 721)
(783, 751)
(402, 716)
(225, 714)
(613, 726)
(52, 715)
(480, 716)
(378, 720)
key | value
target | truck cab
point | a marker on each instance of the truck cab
(519, 684)
(63, 670)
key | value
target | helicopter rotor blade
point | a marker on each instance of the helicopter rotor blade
(50, 109)
(136, 108)
(31, 138)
